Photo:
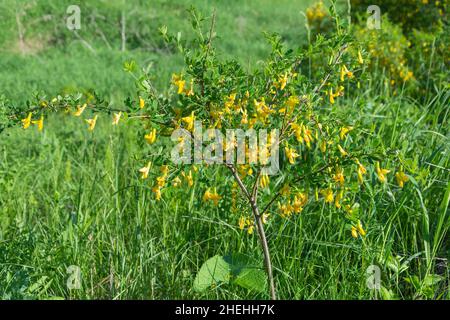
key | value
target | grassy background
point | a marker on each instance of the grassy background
(54, 59)
(71, 198)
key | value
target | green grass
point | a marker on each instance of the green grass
(68, 197)
(56, 60)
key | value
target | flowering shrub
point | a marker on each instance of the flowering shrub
(426, 15)
(387, 49)
(322, 158)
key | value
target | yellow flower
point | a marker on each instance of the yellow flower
(27, 121)
(244, 119)
(188, 178)
(282, 81)
(189, 121)
(343, 132)
(80, 110)
(91, 123)
(401, 178)
(339, 176)
(360, 229)
(331, 96)
(39, 123)
(145, 171)
(262, 109)
(211, 196)
(141, 103)
(244, 170)
(151, 137)
(299, 202)
(323, 146)
(337, 200)
(250, 229)
(342, 151)
(361, 171)
(285, 190)
(291, 154)
(286, 209)
(381, 173)
(161, 181)
(354, 232)
(264, 217)
(178, 82)
(190, 92)
(292, 102)
(241, 223)
(264, 181)
(116, 118)
(176, 182)
(328, 195)
(345, 72)
(157, 191)
(360, 58)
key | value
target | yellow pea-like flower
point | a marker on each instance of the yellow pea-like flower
(332, 96)
(241, 223)
(342, 151)
(401, 178)
(116, 118)
(283, 81)
(151, 137)
(264, 181)
(343, 132)
(189, 121)
(39, 123)
(337, 200)
(354, 232)
(141, 103)
(327, 195)
(145, 170)
(176, 182)
(27, 121)
(157, 191)
(360, 58)
(211, 196)
(339, 176)
(381, 173)
(188, 178)
(92, 122)
(291, 154)
(345, 72)
(80, 110)
(361, 171)
(360, 229)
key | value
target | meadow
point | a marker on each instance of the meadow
(70, 197)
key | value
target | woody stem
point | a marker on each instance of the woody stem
(260, 227)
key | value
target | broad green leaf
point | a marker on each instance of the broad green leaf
(214, 271)
(252, 278)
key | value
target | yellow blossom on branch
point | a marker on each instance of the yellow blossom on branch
(116, 118)
(80, 110)
(39, 123)
(27, 121)
(92, 122)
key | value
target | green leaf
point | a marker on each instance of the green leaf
(252, 278)
(245, 273)
(214, 271)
